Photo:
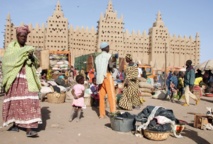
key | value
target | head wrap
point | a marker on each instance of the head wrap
(129, 56)
(22, 29)
(104, 45)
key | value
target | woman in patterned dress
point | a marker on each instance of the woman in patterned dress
(21, 102)
(130, 98)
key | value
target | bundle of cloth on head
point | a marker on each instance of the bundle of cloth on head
(22, 29)
(103, 45)
(129, 56)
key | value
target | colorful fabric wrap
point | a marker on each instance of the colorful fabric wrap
(22, 29)
(13, 60)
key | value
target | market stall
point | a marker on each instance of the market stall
(206, 68)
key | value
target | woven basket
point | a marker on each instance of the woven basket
(156, 136)
(56, 97)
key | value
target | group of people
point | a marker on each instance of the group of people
(180, 83)
(103, 84)
(21, 83)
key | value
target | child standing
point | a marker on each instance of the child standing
(78, 101)
(95, 95)
(173, 85)
(180, 85)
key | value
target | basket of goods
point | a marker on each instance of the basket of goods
(209, 94)
(55, 97)
(156, 135)
(124, 122)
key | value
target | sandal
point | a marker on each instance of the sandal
(31, 134)
(13, 128)
(102, 117)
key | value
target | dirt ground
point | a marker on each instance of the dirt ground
(57, 129)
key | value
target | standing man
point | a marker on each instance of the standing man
(104, 79)
(189, 79)
(115, 74)
(139, 70)
(144, 73)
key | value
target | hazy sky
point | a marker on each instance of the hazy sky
(181, 17)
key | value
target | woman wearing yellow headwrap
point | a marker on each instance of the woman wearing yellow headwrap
(130, 98)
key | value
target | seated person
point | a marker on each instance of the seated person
(209, 88)
(62, 80)
(44, 75)
(197, 84)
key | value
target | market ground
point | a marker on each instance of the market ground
(56, 129)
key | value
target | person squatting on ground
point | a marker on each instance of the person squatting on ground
(78, 101)
(104, 79)
(197, 89)
(21, 83)
(189, 79)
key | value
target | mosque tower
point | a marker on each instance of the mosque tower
(9, 34)
(159, 41)
(57, 30)
(110, 29)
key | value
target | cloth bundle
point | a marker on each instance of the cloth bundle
(159, 94)
(59, 62)
(158, 119)
(51, 86)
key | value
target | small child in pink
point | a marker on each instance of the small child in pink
(78, 101)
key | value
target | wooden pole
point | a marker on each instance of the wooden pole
(165, 65)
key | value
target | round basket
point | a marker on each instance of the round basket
(156, 136)
(56, 97)
(209, 95)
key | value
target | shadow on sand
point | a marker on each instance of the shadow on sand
(108, 125)
(96, 109)
(45, 112)
(207, 100)
(194, 136)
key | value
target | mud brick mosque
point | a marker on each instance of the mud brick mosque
(146, 48)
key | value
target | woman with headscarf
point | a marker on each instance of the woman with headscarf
(130, 98)
(21, 83)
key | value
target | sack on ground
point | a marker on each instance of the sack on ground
(145, 90)
(145, 85)
(145, 94)
(141, 79)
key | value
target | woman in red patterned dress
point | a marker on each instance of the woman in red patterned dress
(21, 101)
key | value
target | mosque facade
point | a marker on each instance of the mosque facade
(150, 48)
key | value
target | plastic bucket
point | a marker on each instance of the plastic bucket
(122, 124)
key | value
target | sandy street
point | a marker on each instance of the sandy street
(56, 129)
